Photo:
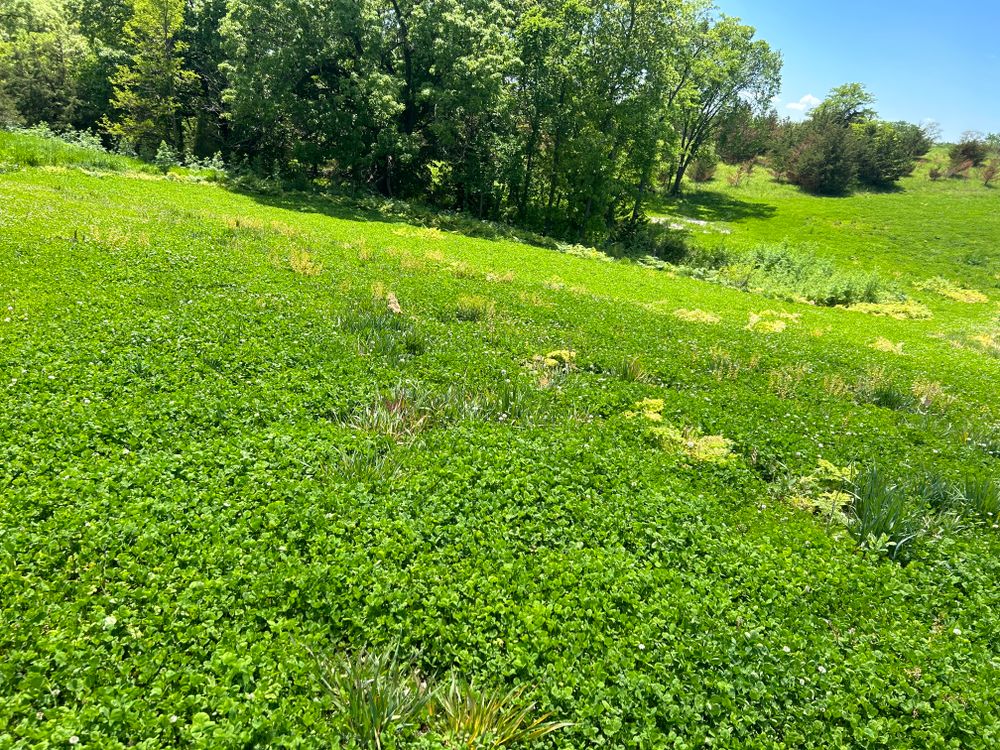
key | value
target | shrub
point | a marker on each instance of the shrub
(743, 135)
(990, 172)
(649, 238)
(165, 157)
(883, 157)
(742, 173)
(917, 140)
(704, 166)
(881, 518)
(823, 162)
(777, 271)
(935, 173)
(972, 148)
(960, 169)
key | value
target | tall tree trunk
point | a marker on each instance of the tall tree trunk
(522, 206)
(553, 179)
(409, 101)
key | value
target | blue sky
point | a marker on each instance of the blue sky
(921, 59)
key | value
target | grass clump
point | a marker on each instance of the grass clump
(379, 701)
(878, 387)
(472, 717)
(724, 365)
(631, 370)
(931, 396)
(375, 697)
(880, 515)
(303, 262)
(471, 309)
(980, 496)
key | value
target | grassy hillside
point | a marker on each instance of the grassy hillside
(239, 428)
(920, 230)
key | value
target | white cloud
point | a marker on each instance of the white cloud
(804, 104)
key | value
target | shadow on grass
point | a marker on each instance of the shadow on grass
(705, 205)
(389, 211)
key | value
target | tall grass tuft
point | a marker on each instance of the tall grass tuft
(379, 701)
(980, 496)
(631, 370)
(374, 695)
(477, 718)
(935, 490)
(880, 517)
(41, 147)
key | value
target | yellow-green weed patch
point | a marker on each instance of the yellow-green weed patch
(883, 344)
(908, 310)
(771, 321)
(696, 316)
(951, 290)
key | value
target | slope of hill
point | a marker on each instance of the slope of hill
(236, 427)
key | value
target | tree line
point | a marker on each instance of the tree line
(562, 115)
(565, 115)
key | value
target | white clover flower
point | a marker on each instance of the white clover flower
(957, 631)
(173, 719)
(786, 649)
(642, 646)
(74, 740)
(821, 669)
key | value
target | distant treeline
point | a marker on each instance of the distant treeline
(562, 115)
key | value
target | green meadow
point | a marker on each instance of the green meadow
(679, 505)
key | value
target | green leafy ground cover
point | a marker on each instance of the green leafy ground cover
(221, 447)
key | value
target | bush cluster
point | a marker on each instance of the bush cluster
(843, 144)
